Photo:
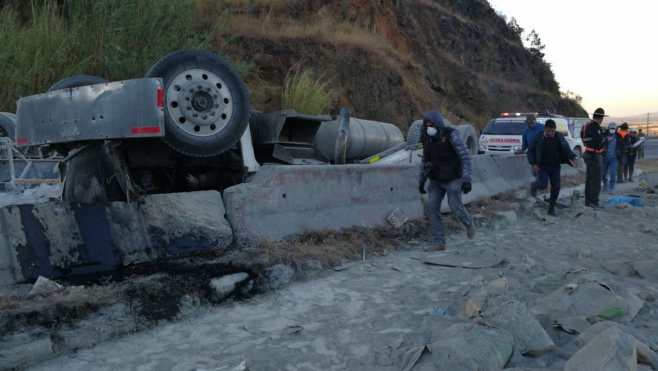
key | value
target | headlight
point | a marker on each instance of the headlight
(516, 148)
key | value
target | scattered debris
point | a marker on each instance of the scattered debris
(224, 286)
(397, 218)
(440, 312)
(453, 259)
(625, 201)
(293, 330)
(44, 286)
(572, 325)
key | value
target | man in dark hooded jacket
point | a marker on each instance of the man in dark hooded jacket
(447, 165)
(546, 156)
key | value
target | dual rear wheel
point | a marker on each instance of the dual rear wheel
(206, 112)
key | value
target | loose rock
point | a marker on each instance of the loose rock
(529, 336)
(471, 347)
(279, 276)
(611, 350)
(224, 286)
(44, 286)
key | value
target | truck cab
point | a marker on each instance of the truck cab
(504, 135)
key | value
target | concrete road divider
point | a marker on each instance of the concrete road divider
(281, 202)
(284, 201)
(55, 239)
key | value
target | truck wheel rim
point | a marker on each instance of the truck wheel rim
(199, 102)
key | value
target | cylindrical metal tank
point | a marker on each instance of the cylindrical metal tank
(366, 138)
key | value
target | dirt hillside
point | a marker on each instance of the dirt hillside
(387, 59)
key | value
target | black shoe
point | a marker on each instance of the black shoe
(551, 210)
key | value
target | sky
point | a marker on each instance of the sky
(604, 50)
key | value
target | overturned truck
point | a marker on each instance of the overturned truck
(186, 126)
(145, 159)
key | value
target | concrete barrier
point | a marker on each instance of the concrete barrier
(55, 239)
(281, 202)
(284, 201)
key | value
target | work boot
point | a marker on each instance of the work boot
(436, 247)
(533, 190)
(470, 231)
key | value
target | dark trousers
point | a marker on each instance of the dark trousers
(629, 167)
(548, 174)
(593, 179)
(438, 192)
(621, 167)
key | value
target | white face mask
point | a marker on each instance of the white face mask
(612, 131)
(432, 131)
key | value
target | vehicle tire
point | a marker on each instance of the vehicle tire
(470, 138)
(414, 133)
(206, 102)
(8, 125)
(76, 81)
(88, 177)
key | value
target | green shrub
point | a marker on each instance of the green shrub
(305, 93)
(112, 39)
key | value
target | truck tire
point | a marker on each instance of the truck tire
(414, 133)
(470, 137)
(76, 81)
(206, 102)
(8, 125)
(88, 177)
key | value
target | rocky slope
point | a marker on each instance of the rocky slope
(389, 59)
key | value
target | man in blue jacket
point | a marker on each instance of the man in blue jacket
(531, 132)
(611, 157)
(549, 151)
(447, 165)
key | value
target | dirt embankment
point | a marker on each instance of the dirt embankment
(389, 60)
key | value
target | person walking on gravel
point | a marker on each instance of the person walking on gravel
(592, 136)
(447, 165)
(546, 156)
(631, 155)
(624, 146)
(611, 158)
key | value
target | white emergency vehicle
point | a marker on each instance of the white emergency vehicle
(504, 135)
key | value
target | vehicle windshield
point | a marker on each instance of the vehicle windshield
(501, 127)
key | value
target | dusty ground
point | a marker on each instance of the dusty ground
(351, 317)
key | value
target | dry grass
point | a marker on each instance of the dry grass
(306, 93)
(331, 249)
(270, 4)
(321, 29)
